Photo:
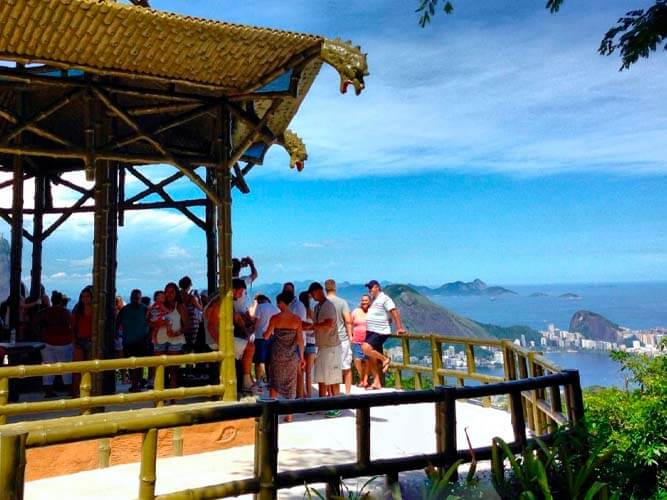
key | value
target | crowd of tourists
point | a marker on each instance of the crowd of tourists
(286, 345)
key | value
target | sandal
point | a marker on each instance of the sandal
(385, 365)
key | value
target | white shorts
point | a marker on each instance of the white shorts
(345, 355)
(328, 366)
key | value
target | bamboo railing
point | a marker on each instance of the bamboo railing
(267, 479)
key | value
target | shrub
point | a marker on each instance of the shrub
(631, 425)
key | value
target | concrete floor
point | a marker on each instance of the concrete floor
(310, 440)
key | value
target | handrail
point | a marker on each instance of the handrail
(267, 480)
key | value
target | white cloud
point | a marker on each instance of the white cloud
(309, 244)
(175, 252)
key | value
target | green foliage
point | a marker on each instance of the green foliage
(631, 425)
(361, 493)
(635, 35)
(427, 10)
(559, 471)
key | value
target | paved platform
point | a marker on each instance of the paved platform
(310, 440)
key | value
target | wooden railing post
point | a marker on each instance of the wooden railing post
(445, 421)
(158, 383)
(85, 388)
(103, 453)
(12, 464)
(148, 461)
(518, 421)
(534, 396)
(268, 450)
(527, 405)
(363, 436)
(575, 400)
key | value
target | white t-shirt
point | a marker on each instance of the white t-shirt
(263, 314)
(377, 317)
(296, 307)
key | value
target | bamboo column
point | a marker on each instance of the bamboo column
(37, 238)
(211, 240)
(224, 230)
(109, 378)
(17, 229)
(100, 236)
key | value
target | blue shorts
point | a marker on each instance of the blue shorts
(167, 348)
(262, 351)
(357, 352)
(311, 349)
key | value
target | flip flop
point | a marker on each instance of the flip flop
(385, 366)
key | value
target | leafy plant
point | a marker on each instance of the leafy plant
(361, 493)
(560, 471)
(631, 425)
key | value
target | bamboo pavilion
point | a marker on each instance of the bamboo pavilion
(102, 87)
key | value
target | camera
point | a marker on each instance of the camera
(245, 261)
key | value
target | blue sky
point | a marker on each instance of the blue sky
(495, 144)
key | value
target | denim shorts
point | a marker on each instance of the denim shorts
(357, 352)
(262, 351)
(167, 348)
(311, 349)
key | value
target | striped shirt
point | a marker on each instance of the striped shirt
(377, 317)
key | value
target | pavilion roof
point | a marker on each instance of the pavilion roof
(266, 72)
(113, 38)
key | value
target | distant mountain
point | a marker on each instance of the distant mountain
(594, 326)
(569, 296)
(476, 287)
(538, 294)
(421, 315)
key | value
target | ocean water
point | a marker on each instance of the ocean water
(633, 305)
(595, 368)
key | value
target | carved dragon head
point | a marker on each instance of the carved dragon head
(348, 60)
(295, 148)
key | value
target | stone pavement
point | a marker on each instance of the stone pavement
(308, 441)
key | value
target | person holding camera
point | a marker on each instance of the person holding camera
(238, 264)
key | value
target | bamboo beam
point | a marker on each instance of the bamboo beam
(167, 156)
(165, 108)
(7, 218)
(168, 199)
(153, 188)
(179, 120)
(37, 117)
(67, 212)
(251, 120)
(80, 154)
(12, 118)
(56, 179)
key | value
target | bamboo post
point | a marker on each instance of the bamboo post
(224, 230)
(148, 463)
(103, 453)
(158, 384)
(12, 464)
(534, 396)
(268, 450)
(436, 361)
(211, 240)
(177, 441)
(418, 381)
(16, 250)
(470, 358)
(397, 379)
(363, 418)
(85, 387)
(37, 239)
(4, 397)
(555, 400)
